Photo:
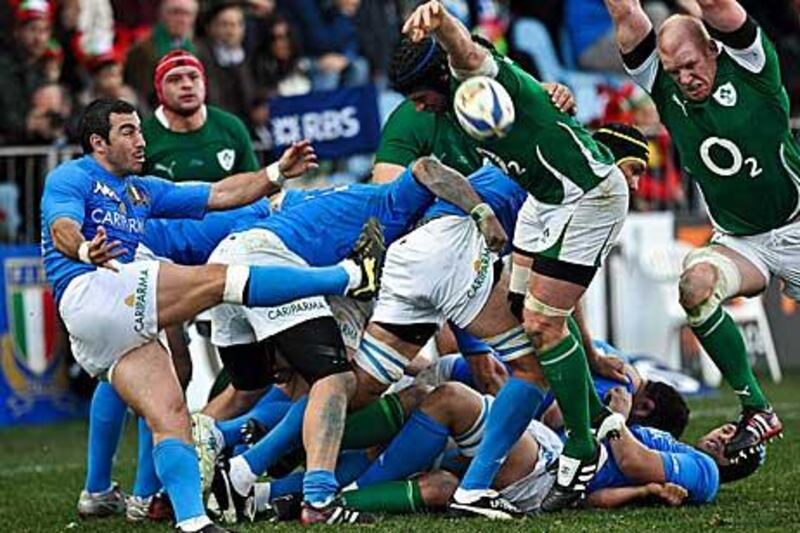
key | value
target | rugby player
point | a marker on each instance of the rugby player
(716, 83)
(316, 228)
(579, 198)
(114, 307)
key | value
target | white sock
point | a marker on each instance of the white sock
(242, 478)
(191, 525)
(353, 272)
(262, 491)
(236, 277)
(469, 495)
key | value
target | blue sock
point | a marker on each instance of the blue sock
(269, 286)
(146, 483)
(319, 486)
(291, 484)
(283, 438)
(508, 417)
(176, 464)
(106, 419)
(268, 413)
(350, 465)
(413, 450)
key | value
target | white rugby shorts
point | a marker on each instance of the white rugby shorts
(774, 252)
(527, 493)
(110, 313)
(581, 232)
(236, 324)
(442, 270)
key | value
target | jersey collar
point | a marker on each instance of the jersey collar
(161, 117)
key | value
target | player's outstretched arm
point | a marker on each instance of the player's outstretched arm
(635, 460)
(668, 493)
(432, 17)
(723, 15)
(630, 22)
(452, 187)
(247, 187)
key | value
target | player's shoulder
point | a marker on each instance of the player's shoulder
(76, 171)
(223, 119)
(406, 115)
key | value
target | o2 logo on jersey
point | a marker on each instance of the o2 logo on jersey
(734, 156)
(512, 168)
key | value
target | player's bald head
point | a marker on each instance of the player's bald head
(688, 55)
(678, 30)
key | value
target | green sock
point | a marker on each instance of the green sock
(392, 497)
(377, 423)
(723, 342)
(596, 407)
(565, 367)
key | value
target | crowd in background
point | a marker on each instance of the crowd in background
(59, 55)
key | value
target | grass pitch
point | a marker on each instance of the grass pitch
(42, 471)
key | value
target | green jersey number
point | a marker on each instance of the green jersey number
(737, 160)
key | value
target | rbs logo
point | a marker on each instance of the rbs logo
(317, 126)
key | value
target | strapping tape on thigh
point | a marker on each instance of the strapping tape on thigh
(511, 344)
(380, 360)
(469, 441)
(537, 306)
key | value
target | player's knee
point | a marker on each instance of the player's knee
(437, 488)
(447, 401)
(543, 330)
(171, 420)
(697, 285)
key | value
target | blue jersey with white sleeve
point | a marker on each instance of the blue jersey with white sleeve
(684, 465)
(322, 225)
(190, 242)
(502, 193)
(85, 192)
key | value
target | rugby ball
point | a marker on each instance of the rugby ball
(483, 108)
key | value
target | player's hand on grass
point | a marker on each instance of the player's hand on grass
(298, 159)
(561, 97)
(493, 232)
(424, 20)
(620, 401)
(103, 253)
(669, 493)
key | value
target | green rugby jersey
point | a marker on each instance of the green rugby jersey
(221, 147)
(547, 152)
(737, 143)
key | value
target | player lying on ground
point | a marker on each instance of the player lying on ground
(114, 307)
(728, 114)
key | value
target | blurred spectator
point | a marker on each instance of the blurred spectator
(106, 81)
(258, 122)
(257, 17)
(23, 67)
(230, 83)
(49, 115)
(276, 63)
(174, 30)
(329, 38)
(591, 33)
(377, 46)
(133, 21)
(95, 27)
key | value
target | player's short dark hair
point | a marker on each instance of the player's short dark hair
(744, 467)
(419, 66)
(670, 412)
(96, 119)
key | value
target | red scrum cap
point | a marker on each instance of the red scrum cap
(172, 60)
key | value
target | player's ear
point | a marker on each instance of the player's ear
(97, 142)
(643, 408)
